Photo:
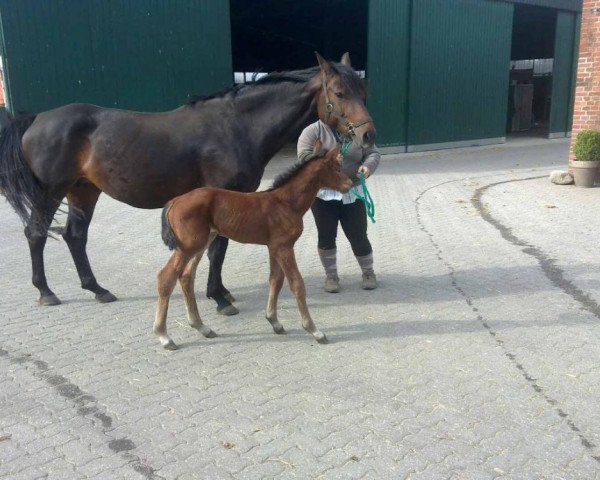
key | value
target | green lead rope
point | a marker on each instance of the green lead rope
(345, 147)
(367, 199)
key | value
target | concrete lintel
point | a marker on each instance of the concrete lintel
(553, 135)
(460, 144)
(392, 150)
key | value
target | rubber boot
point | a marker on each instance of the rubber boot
(369, 280)
(328, 259)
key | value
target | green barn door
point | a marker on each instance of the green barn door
(133, 54)
(460, 60)
(564, 74)
(387, 69)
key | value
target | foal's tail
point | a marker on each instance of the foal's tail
(168, 235)
(18, 184)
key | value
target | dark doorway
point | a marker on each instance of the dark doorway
(531, 69)
(275, 35)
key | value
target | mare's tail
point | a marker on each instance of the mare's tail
(18, 184)
(168, 235)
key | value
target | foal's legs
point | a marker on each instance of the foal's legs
(36, 233)
(187, 285)
(276, 278)
(82, 201)
(214, 287)
(167, 278)
(286, 258)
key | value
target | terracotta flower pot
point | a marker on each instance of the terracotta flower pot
(584, 172)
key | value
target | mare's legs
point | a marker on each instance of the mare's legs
(187, 285)
(36, 232)
(286, 258)
(82, 201)
(276, 278)
(215, 288)
(167, 278)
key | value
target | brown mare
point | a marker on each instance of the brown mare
(145, 159)
(272, 218)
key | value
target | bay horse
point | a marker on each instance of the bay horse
(272, 218)
(145, 159)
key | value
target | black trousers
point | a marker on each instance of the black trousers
(352, 217)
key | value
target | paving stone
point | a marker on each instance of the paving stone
(475, 359)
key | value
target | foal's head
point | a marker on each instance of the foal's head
(330, 170)
(341, 103)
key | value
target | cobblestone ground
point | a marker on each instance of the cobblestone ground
(477, 358)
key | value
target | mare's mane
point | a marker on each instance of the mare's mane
(296, 76)
(349, 77)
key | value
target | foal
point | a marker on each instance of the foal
(272, 218)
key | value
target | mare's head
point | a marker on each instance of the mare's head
(341, 102)
(330, 170)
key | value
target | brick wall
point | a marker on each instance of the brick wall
(587, 94)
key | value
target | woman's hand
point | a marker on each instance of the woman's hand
(365, 171)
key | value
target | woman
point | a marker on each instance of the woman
(331, 207)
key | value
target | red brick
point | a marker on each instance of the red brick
(587, 92)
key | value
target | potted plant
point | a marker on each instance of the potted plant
(587, 157)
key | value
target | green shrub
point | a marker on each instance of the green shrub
(587, 146)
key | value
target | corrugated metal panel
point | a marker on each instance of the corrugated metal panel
(562, 76)
(135, 54)
(387, 68)
(572, 5)
(460, 55)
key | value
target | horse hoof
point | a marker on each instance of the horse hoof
(106, 297)
(229, 297)
(321, 338)
(170, 345)
(49, 300)
(228, 310)
(208, 333)
(277, 327)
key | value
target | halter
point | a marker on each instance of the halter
(329, 109)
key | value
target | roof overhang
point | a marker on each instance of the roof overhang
(571, 5)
